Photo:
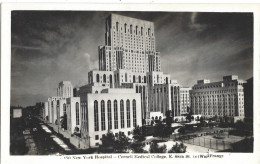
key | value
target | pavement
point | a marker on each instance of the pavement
(30, 142)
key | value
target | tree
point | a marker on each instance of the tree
(189, 116)
(239, 125)
(168, 118)
(182, 130)
(201, 119)
(154, 148)
(162, 131)
(121, 144)
(178, 148)
(138, 133)
(107, 143)
(138, 148)
(64, 122)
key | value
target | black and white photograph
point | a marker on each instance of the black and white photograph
(140, 84)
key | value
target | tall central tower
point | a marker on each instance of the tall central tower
(129, 44)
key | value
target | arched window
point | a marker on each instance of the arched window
(103, 116)
(115, 115)
(82, 112)
(128, 113)
(104, 78)
(96, 125)
(109, 117)
(134, 113)
(97, 78)
(144, 79)
(157, 78)
(139, 79)
(110, 80)
(131, 28)
(136, 89)
(149, 31)
(125, 77)
(86, 111)
(77, 113)
(142, 31)
(125, 28)
(116, 26)
(136, 30)
(134, 79)
(166, 80)
(64, 109)
(140, 90)
(122, 114)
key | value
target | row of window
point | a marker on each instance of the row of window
(215, 86)
(109, 114)
(136, 31)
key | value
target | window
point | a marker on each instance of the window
(96, 116)
(134, 79)
(109, 114)
(77, 113)
(125, 77)
(86, 112)
(96, 137)
(110, 80)
(116, 26)
(64, 109)
(134, 113)
(115, 115)
(122, 114)
(128, 113)
(103, 119)
(125, 28)
(104, 78)
(97, 77)
(139, 79)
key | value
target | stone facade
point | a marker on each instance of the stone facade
(223, 98)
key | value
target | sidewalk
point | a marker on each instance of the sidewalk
(30, 142)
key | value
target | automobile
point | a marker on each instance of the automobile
(34, 129)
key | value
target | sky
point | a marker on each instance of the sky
(52, 46)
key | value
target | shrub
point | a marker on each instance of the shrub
(154, 148)
(178, 148)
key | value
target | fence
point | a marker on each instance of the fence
(205, 140)
(209, 143)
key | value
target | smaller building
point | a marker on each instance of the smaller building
(184, 100)
(224, 98)
(65, 89)
(17, 113)
(73, 112)
(45, 111)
